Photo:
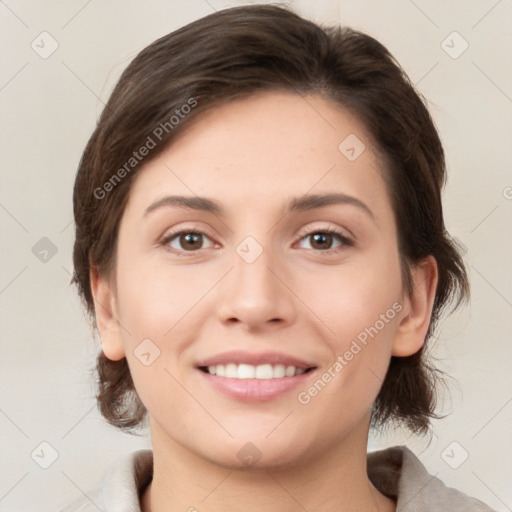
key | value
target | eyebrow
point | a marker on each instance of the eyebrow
(297, 204)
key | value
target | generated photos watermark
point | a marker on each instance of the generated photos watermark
(151, 142)
(356, 346)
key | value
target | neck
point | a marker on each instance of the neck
(331, 480)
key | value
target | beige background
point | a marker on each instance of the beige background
(49, 107)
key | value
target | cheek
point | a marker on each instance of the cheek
(162, 311)
(363, 315)
(356, 297)
(359, 305)
(153, 299)
(155, 307)
(364, 321)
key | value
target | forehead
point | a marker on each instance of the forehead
(259, 151)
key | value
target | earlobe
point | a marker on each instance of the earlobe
(106, 317)
(412, 329)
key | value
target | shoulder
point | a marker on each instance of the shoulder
(398, 473)
(121, 487)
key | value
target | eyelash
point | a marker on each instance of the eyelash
(345, 241)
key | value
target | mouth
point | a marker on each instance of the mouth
(249, 371)
(254, 377)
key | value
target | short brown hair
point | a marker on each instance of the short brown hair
(234, 53)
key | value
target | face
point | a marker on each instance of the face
(263, 305)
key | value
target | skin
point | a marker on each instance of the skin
(253, 155)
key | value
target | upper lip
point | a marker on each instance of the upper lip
(255, 359)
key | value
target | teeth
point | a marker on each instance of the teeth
(244, 371)
(248, 371)
(230, 370)
(264, 371)
(278, 371)
(290, 371)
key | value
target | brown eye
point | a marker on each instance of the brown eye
(321, 240)
(189, 241)
(325, 240)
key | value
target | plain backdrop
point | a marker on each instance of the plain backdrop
(458, 55)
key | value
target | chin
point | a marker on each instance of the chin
(253, 452)
(250, 457)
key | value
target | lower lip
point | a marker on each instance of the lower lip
(255, 390)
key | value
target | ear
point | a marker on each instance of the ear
(106, 317)
(417, 310)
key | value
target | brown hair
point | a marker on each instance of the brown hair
(234, 53)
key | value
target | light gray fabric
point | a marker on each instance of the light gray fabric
(396, 472)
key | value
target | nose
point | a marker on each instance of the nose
(256, 295)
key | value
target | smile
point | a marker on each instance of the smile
(249, 371)
(251, 377)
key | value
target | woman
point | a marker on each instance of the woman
(260, 242)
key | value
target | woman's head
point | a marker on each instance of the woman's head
(255, 108)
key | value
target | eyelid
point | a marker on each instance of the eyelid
(325, 228)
